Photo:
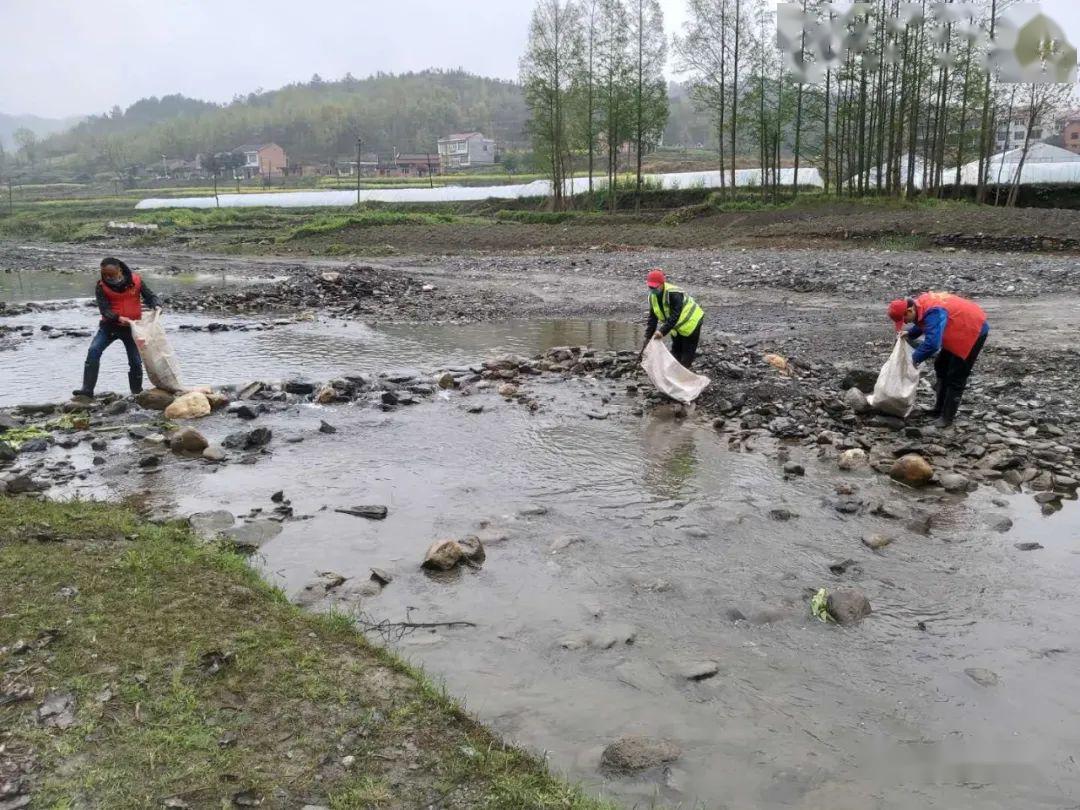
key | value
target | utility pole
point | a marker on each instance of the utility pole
(431, 180)
(359, 153)
(164, 168)
(10, 202)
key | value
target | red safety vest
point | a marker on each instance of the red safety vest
(965, 323)
(128, 302)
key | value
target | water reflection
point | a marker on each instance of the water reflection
(671, 451)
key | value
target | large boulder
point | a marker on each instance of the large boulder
(193, 405)
(188, 440)
(848, 605)
(154, 399)
(913, 470)
(636, 753)
(7, 453)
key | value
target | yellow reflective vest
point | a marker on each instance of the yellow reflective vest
(689, 318)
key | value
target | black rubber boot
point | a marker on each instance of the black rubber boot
(135, 381)
(89, 381)
(939, 402)
(949, 408)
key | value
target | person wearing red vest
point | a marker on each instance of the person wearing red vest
(954, 329)
(120, 296)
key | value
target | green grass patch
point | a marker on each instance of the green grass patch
(334, 223)
(193, 678)
(538, 217)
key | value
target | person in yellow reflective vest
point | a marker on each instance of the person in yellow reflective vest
(673, 311)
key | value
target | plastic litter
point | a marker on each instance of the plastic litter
(157, 355)
(668, 374)
(897, 385)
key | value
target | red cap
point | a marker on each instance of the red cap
(655, 278)
(897, 310)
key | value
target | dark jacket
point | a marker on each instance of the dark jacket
(108, 317)
(676, 301)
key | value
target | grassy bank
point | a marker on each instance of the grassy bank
(193, 680)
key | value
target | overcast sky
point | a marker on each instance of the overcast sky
(68, 57)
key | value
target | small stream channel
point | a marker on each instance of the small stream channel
(648, 528)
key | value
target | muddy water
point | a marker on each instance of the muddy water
(653, 529)
(318, 350)
(671, 531)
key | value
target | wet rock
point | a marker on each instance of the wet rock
(734, 615)
(217, 400)
(782, 515)
(602, 638)
(208, 524)
(565, 542)
(369, 512)
(245, 411)
(876, 542)
(983, 677)
(149, 462)
(39, 445)
(636, 753)
(57, 711)
(250, 537)
(843, 566)
(791, 468)
(954, 482)
(193, 405)
(30, 409)
(1000, 523)
(154, 399)
(442, 555)
(856, 400)
(7, 453)
(326, 427)
(248, 440)
(913, 470)
(1027, 546)
(852, 459)
(214, 452)
(863, 380)
(326, 395)
(188, 440)
(848, 605)
(699, 670)
(116, 408)
(299, 387)
(381, 576)
(99, 445)
(472, 549)
(446, 380)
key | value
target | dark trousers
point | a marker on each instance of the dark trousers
(685, 348)
(106, 336)
(952, 377)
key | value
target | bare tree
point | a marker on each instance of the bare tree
(548, 70)
(650, 88)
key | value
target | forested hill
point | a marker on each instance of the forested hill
(316, 120)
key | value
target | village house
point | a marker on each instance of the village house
(464, 150)
(416, 165)
(262, 159)
(1070, 131)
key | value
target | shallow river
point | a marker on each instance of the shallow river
(654, 529)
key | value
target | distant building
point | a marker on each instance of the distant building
(262, 159)
(464, 150)
(1011, 134)
(1070, 131)
(369, 166)
(416, 165)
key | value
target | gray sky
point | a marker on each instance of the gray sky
(65, 57)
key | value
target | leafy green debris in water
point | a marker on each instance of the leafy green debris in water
(819, 606)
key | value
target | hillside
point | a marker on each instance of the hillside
(42, 127)
(315, 120)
